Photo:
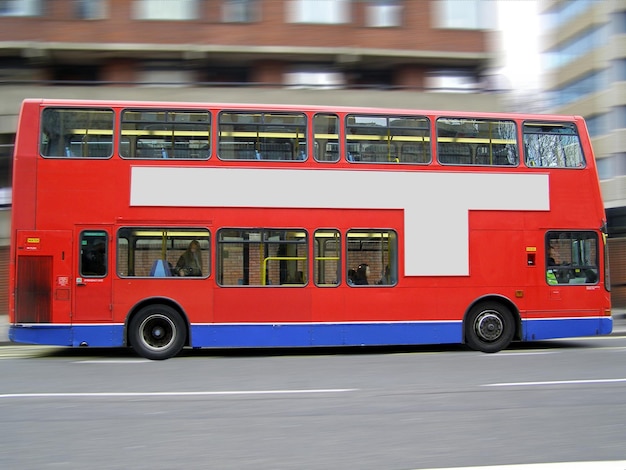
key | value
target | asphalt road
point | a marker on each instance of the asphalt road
(553, 401)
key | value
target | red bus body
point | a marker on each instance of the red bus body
(469, 249)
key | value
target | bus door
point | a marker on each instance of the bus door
(92, 280)
(43, 273)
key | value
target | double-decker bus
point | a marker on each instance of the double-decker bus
(160, 226)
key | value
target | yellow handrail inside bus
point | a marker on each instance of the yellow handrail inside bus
(277, 258)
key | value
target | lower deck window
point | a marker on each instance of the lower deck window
(163, 252)
(372, 257)
(262, 257)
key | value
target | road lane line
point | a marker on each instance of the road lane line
(173, 394)
(554, 382)
(114, 361)
(599, 465)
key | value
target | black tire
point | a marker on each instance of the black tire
(157, 332)
(489, 327)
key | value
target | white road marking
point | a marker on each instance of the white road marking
(606, 465)
(115, 361)
(173, 394)
(555, 382)
(523, 353)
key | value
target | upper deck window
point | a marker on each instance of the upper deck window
(552, 145)
(76, 132)
(262, 136)
(387, 139)
(156, 133)
(326, 137)
(462, 141)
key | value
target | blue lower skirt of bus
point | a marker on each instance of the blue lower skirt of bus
(324, 334)
(258, 335)
(94, 335)
(550, 328)
(262, 335)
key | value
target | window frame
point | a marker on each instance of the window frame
(321, 261)
(472, 139)
(263, 126)
(363, 138)
(287, 275)
(383, 272)
(170, 247)
(57, 136)
(173, 133)
(562, 157)
(563, 264)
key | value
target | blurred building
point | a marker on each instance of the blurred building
(433, 54)
(584, 57)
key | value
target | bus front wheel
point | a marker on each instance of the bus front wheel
(489, 327)
(157, 332)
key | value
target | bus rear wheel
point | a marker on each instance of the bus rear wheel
(157, 332)
(489, 327)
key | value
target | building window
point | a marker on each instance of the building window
(564, 12)
(166, 75)
(91, 9)
(452, 81)
(601, 124)
(465, 14)
(577, 47)
(20, 7)
(578, 89)
(318, 11)
(166, 10)
(317, 79)
(383, 13)
(239, 11)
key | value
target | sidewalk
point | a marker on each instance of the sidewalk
(619, 325)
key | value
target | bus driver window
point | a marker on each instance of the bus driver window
(571, 258)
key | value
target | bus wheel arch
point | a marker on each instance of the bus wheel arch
(157, 329)
(490, 324)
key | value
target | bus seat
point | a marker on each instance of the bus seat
(160, 269)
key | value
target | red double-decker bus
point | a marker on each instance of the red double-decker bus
(164, 225)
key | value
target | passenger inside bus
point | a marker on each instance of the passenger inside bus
(190, 262)
(362, 273)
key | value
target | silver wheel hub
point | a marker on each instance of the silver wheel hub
(488, 325)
